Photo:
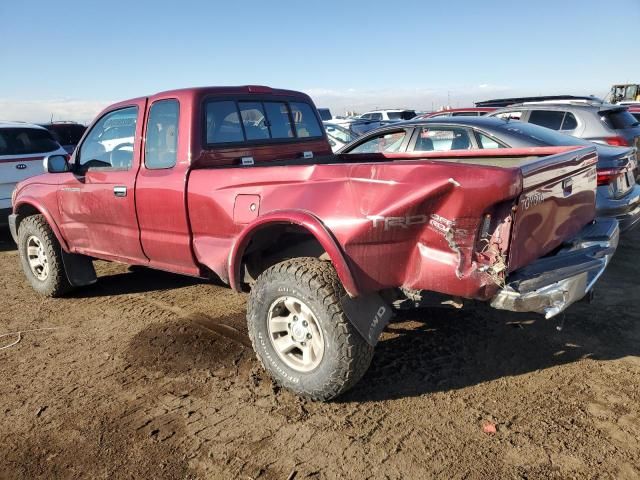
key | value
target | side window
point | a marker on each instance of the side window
(547, 118)
(388, 142)
(569, 122)
(223, 123)
(109, 144)
(509, 115)
(305, 120)
(487, 142)
(162, 135)
(442, 139)
(376, 116)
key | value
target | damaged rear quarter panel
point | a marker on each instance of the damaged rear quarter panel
(404, 223)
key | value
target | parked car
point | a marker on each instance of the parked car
(338, 135)
(23, 147)
(506, 102)
(395, 115)
(67, 134)
(597, 122)
(618, 195)
(239, 183)
(457, 112)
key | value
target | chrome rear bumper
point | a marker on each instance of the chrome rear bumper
(550, 284)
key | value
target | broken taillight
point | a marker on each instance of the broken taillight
(608, 175)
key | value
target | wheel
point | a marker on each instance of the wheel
(41, 257)
(300, 332)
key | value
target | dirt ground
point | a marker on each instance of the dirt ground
(150, 375)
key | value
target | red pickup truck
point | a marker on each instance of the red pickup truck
(240, 183)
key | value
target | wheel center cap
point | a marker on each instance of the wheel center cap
(299, 333)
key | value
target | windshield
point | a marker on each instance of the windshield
(542, 135)
(404, 115)
(21, 141)
(66, 134)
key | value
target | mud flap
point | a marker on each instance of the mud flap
(79, 269)
(369, 314)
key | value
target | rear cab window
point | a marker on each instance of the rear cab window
(259, 121)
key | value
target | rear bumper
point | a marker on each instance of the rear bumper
(626, 209)
(550, 284)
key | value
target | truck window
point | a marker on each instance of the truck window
(229, 121)
(223, 122)
(279, 121)
(162, 135)
(547, 118)
(305, 120)
(109, 144)
(254, 120)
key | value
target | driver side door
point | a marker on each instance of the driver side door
(97, 202)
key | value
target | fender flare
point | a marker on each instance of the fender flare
(295, 217)
(33, 203)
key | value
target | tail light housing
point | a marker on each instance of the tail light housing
(608, 175)
(616, 141)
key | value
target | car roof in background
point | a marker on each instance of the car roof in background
(563, 106)
(9, 124)
(486, 122)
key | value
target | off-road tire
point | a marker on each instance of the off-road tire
(346, 354)
(56, 283)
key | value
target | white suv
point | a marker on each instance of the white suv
(22, 149)
(396, 115)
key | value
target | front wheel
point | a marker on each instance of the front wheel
(300, 332)
(41, 257)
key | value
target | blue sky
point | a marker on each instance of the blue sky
(75, 56)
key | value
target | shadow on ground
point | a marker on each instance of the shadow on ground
(438, 350)
(6, 242)
(136, 280)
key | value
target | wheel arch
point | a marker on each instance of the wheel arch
(28, 207)
(306, 223)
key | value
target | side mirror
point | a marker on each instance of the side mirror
(56, 164)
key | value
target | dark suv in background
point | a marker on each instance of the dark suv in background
(67, 134)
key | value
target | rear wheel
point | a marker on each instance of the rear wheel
(300, 332)
(41, 257)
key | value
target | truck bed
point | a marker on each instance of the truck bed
(414, 221)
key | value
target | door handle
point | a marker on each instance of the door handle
(120, 191)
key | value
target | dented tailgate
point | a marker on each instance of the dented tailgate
(557, 201)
